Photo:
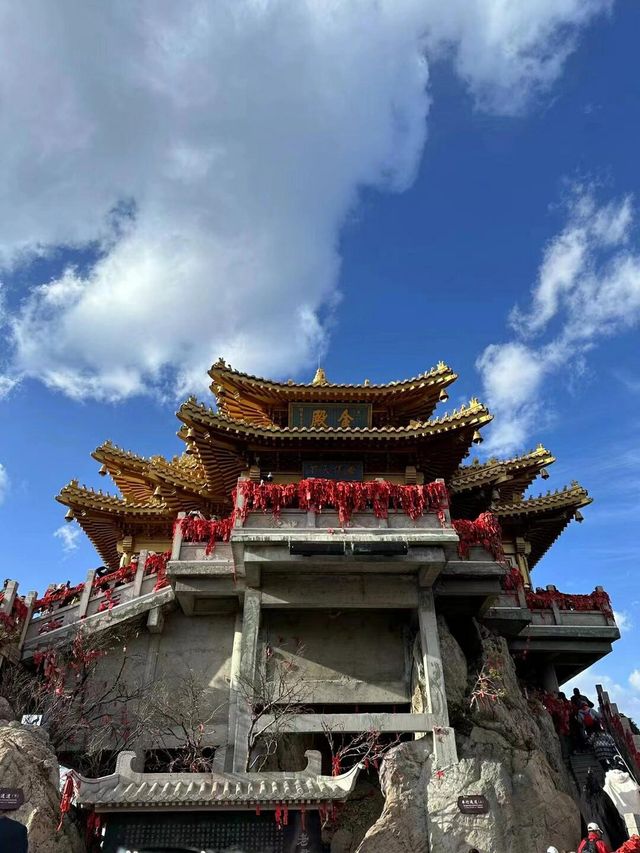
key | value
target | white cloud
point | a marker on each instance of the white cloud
(623, 620)
(68, 536)
(588, 288)
(231, 139)
(4, 483)
(634, 679)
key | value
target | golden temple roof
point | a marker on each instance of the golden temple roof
(510, 476)
(474, 414)
(106, 518)
(541, 520)
(242, 396)
(140, 479)
(573, 496)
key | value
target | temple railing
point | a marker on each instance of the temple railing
(107, 595)
(619, 727)
(336, 504)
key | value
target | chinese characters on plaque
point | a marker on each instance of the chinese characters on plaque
(473, 804)
(330, 415)
(350, 471)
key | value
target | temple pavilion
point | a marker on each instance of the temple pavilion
(326, 527)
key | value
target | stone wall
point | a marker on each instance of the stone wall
(346, 657)
(508, 752)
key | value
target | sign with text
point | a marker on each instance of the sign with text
(473, 804)
(330, 415)
(350, 471)
(11, 798)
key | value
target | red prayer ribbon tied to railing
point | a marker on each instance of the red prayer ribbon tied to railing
(68, 793)
(155, 563)
(542, 599)
(213, 530)
(484, 532)
(561, 711)
(513, 580)
(346, 497)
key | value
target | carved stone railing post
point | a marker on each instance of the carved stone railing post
(139, 575)
(86, 594)
(177, 538)
(30, 600)
(10, 592)
(447, 511)
(240, 499)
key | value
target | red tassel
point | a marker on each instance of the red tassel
(303, 816)
(68, 791)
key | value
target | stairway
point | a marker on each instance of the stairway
(580, 763)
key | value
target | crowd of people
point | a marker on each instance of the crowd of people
(580, 728)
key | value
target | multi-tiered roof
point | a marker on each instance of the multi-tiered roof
(261, 427)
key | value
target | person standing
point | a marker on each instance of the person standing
(593, 843)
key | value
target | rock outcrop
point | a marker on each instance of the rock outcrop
(508, 752)
(28, 762)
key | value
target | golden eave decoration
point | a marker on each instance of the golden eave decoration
(250, 398)
(473, 415)
(511, 476)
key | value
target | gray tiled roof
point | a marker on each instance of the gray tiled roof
(128, 788)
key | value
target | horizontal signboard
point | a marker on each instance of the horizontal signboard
(330, 415)
(351, 471)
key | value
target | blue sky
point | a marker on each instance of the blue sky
(290, 187)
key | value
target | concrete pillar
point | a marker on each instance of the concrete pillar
(550, 679)
(523, 549)
(433, 674)
(246, 675)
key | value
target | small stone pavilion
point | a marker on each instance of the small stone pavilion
(325, 527)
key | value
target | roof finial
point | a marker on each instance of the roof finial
(320, 378)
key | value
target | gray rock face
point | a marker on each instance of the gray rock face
(508, 751)
(6, 711)
(454, 664)
(28, 762)
(404, 778)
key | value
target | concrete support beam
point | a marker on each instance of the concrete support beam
(444, 747)
(350, 591)
(433, 674)
(223, 760)
(550, 679)
(155, 620)
(310, 723)
(246, 675)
